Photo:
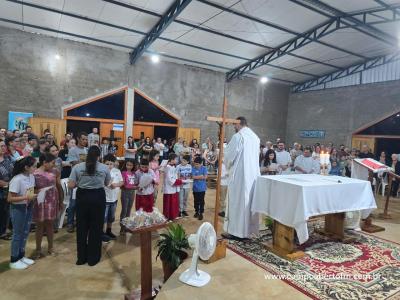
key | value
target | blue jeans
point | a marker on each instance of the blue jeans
(21, 217)
(71, 211)
(109, 215)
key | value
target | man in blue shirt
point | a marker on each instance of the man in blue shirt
(199, 175)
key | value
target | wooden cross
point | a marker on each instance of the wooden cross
(221, 122)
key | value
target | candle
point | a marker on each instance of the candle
(327, 158)
(321, 158)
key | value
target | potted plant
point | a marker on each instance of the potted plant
(269, 223)
(170, 248)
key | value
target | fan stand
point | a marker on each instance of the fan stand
(193, 276)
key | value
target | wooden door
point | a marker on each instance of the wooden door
(188, 134)
(57, 127)
(143, 131)
(358, 141)
(105, 131)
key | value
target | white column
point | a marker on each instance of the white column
(129, 113)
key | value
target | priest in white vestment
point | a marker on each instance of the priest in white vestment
(241, 158)
(306, 164)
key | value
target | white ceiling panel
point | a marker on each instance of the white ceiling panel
(160, 6)
(195, 54)
(115, 35)
(280, 74)
(88, 8)
(41, 17)
(198, 13)
(10, 11)
(248, 30)
(283, 13)
(175, 30)
(57, 4)
(354, 41)
(125, 16)
(326, 54)
(351, 5)
(77, 26)
(302, 65)
(392, 28)
(143, 22)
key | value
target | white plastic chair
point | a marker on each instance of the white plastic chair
(67, 196)
(382, 184)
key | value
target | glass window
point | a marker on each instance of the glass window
(110, 107)
(146, 111)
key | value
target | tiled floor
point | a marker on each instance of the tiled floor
(119, 271)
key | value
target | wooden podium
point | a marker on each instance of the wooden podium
(391, 176)
(366, 224)
(146, 291)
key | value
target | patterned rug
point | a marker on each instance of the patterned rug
(368, 268)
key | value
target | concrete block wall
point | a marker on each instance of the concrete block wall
(32, 80)
(340, 111)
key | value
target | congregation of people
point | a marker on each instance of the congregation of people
(37, 173)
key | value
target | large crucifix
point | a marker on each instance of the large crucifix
(221, 121)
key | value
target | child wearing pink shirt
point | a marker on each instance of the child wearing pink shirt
(128, 190)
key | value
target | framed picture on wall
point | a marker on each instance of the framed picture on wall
(18, 120)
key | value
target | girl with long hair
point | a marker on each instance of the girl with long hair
(21, 195)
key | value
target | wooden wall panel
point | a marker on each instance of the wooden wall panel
(56, 126)
(188, 134)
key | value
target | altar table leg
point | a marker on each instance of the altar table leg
(283, 243)
(334, 228)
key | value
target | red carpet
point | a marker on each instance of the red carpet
(368, 268)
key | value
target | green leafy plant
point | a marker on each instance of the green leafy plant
(171, 245)
(269, 223)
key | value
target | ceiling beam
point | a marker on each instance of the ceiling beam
(306, 38)
(367, 29)
(354, 69)
(205, 29)
(272, 25)
(95, 21)
(170, 15)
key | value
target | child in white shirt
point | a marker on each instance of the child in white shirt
(112, 195)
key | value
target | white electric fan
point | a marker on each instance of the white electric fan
(203, 243)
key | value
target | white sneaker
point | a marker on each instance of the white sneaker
(27, 261)
(18, 265)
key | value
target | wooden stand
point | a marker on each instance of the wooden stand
(146, 291)
(283, 243)
(385, 214)
(366, 224)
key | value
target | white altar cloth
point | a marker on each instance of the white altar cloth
(293, 199)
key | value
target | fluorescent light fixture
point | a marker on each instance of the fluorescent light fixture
(264, 79)
(155, 58)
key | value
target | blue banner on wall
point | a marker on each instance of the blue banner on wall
(312, 134)
(18, 120)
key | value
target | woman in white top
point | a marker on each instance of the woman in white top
(21, 195)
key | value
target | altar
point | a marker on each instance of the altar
(292, 199)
